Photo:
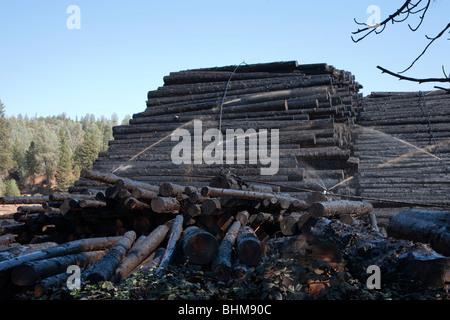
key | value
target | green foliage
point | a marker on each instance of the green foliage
(83, 140)
(87, 151)
(31, 161)
(64, 169)
(9, 188)
(5, 141)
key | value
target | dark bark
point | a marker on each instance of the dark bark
(419, 225)
(199, 246)
(139, 252)
(222, 264)
(165, 205)
(29, 273)
(175, 234)
(72, 247)
(104, 269)
(249, 248)
(337, 207)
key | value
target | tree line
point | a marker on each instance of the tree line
(40, 154)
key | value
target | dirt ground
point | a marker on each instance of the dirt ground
(8, 209)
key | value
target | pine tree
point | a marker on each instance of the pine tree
(63, 172)
(5, 141)
(31, 162)
(87, 151)
(11, 189)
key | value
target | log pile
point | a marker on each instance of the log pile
(115, 232)
(312, 106)
(402, 142)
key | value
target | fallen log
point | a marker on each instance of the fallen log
(420, 225)
(169, 189)
(143, 194)
(7, 239)
(222, 264)
(72, 247)
(199, 246)
(334, 208)
(175, 234)
(29, 273)
(165, 205)
(104, 269)
(249, 248)
(400, 261)
(252, 195)
(134, 204)
(24, 200)
(139, 252)
(110, 178)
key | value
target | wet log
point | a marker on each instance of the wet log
(168, 189)
(194, 210)
(420, 225)
(139, 252)
(165, 205)
(50, 284)
(143, 194)
(184, 77)
(249, 248)
(24, 200)
(211, 207)
(289, 224)
(253, 195)
(59, 197)
(152, 261)
(175, 235)
(316, 197)
(110, 178)
(400, 261)
(199, 246)
(335, 208)
(31, 209)
(28, 273)
(222, 264)
(134, 204)
(104, 269)
(72, 247)
(243, 217)
(7, 239)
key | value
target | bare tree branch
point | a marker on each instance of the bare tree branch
(369, 29)
(400, 77)
(426, 48)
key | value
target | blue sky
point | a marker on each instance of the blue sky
(125, 48)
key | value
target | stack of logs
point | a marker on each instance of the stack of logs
(402, 142)
(224, 226)
(312, 106)
(133, 225)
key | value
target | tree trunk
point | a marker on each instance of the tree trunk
(168, 189)
(139, 252)
(199, 246)
(249, 248)
(165, 205)
(77, 246)
(419, 225)
(335, 208)
(104, 269)
(24, 200)
(175, 234)
(143, 194)
(28, 273)
(398, 260)
(222, 264)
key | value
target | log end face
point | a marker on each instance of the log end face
(250, 252)
(23, 275)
